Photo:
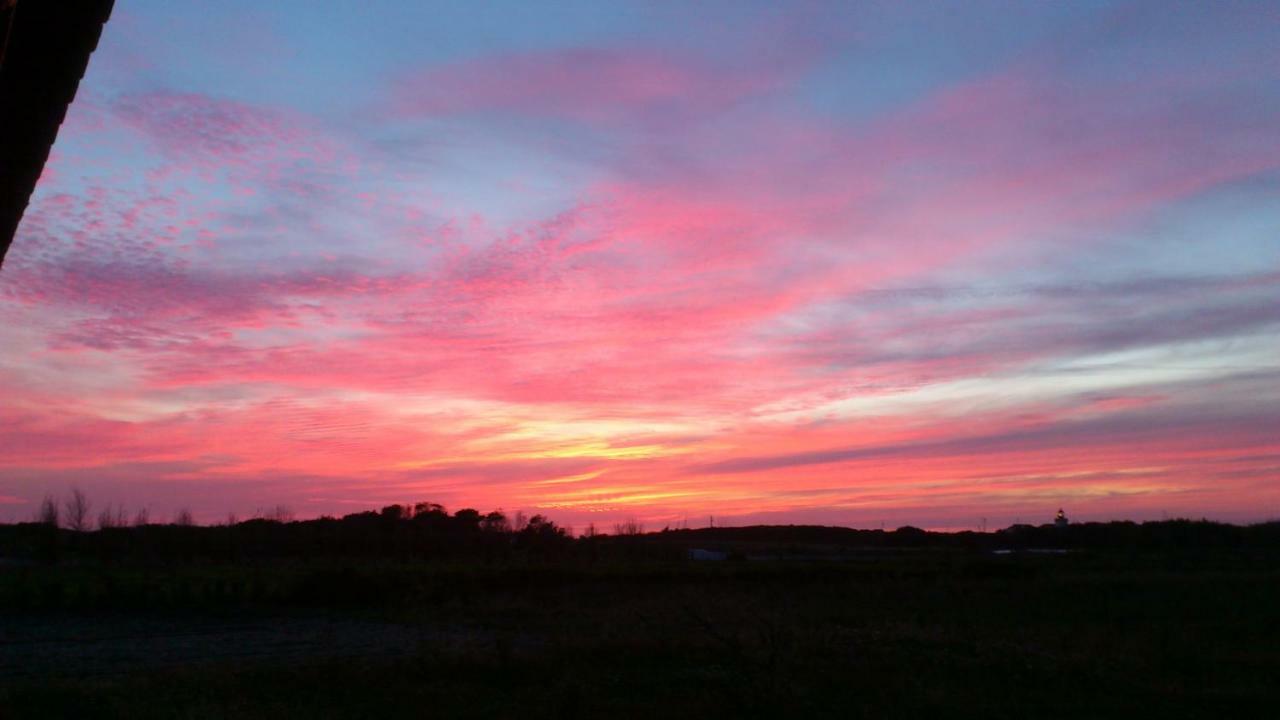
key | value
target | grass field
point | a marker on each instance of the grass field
(931, 631)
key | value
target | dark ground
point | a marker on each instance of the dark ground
(950, 632)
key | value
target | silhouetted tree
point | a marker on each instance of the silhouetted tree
(541, 526)
(183, 518)
(48, 512)
(910, 536)
(468, 519)
(142, 517)
(77, 507)
(432, 517)
(495, 521)
(278, 514)
(630, 527)
(109, 518)
(428, 508)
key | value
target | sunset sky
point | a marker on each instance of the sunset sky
(853, 264)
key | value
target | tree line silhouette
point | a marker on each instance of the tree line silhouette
(67, 528)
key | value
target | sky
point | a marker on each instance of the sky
(866, 264)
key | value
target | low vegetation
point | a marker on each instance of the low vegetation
(469, 614)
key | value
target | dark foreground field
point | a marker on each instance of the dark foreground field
(877, 632)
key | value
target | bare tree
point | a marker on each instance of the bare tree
(77, 507)
(142, 517)
(519, 521)
(113, 519)
(279, 513)
(630, 527)
(183, 518)
(48, 512)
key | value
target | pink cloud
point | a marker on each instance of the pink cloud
(728, 276)
(194, 126)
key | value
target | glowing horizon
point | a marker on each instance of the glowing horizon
(813, 263)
